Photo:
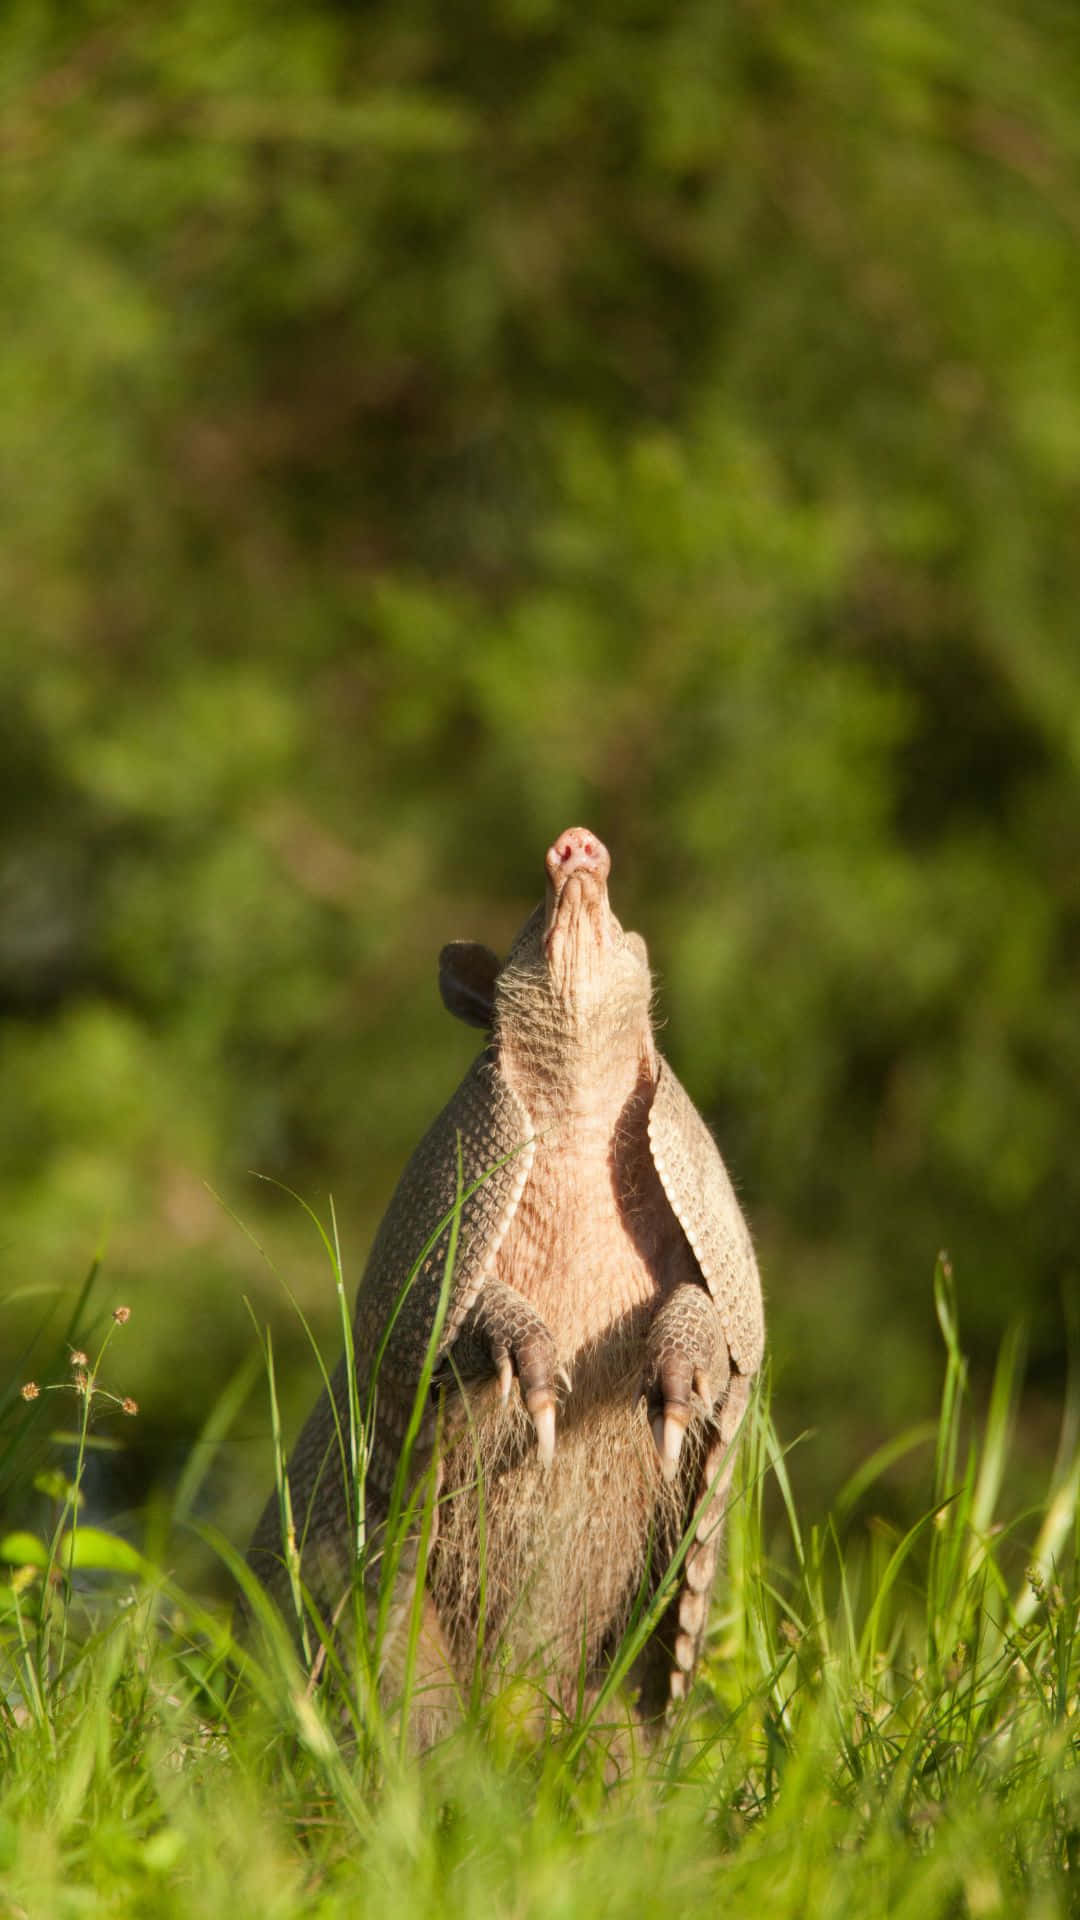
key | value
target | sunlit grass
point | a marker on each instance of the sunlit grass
(885, 1723)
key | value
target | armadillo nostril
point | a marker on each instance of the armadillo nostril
(575, 851)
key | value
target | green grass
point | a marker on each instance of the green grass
(885, 1724)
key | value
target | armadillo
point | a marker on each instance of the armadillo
(602, 1323)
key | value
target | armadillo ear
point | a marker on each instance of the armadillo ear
(467, 976)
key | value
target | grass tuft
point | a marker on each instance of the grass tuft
(886, 1722)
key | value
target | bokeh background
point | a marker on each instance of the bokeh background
(424, 426)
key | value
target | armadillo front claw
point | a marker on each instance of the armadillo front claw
(685, 1351)
(503, 1333)
(669, 1431)
(541, 1404)
(542, 1408)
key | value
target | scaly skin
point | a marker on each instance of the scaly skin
(604, 1264)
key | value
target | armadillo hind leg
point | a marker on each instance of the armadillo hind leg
(328, 1536)
(671, 1658)
(321, 1509)
(418, 1677)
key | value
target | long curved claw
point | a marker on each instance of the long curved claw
(538, 1373)
(541, 1405)
(542, 1408)
(670, 1404)
(669, 1432)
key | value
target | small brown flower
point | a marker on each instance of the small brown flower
(1037, 1583)
(121, 1315)
(81, 1382)
(31, 1390)
(129, 1405)
(954, 1668)
(79, 1359)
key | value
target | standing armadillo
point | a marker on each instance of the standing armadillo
(604, 1263)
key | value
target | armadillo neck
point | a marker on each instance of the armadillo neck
(570, 1063)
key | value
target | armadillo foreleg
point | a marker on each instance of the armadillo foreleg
(686, 1357)
(503, 1334)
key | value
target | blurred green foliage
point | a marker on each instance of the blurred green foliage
(423, 426)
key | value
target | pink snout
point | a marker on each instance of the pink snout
(576, 851)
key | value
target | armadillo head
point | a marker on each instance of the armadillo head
(575, 983)
(582, 939)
